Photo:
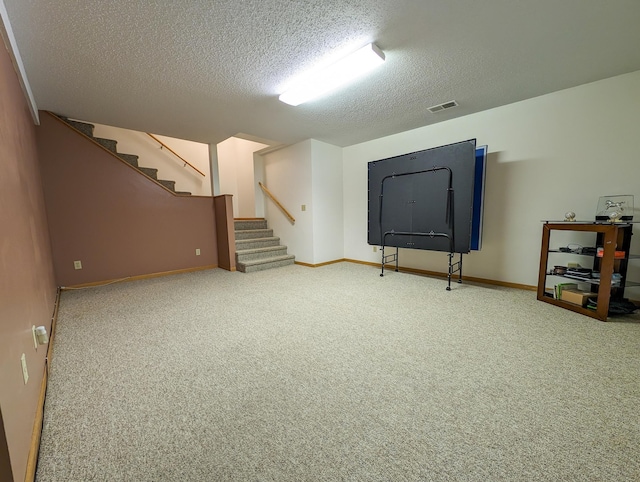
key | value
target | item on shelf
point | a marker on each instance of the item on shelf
(615, 208)
(583, 273)
(559, 270)
(576, 296)
(616, 278)
(616, 307)
(588, 251)
(560, 287)
(571, 248)
(616, 254)
(570, 216)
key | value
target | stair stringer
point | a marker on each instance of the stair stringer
(110, 147)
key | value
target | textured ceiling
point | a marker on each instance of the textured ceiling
(206, 70)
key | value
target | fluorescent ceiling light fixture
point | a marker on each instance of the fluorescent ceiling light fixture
(335, 75)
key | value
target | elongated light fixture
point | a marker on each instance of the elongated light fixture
(335, 75)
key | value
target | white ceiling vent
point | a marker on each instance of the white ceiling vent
(440, 107)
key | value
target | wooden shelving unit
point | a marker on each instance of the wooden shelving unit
(611, 237)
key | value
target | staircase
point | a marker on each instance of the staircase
(257, 248)
(111, 145)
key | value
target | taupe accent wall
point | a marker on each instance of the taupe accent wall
(112, 218)
(5, 462)
(27, 287)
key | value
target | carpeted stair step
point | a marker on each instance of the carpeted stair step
(108, 143)
(256, 247)
(245, 224)
(265, 263)
(171, 185)
(86, 129)
(254, 233)
(253, 243)
(129, 158)
(152, 173)
(244, 255)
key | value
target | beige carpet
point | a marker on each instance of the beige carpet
(301, 374)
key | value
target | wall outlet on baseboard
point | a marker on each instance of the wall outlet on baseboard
(77, 264)
(197, 251)
(375, 249)
(303, 207)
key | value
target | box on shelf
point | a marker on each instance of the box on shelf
(563, 286)
(576, 296)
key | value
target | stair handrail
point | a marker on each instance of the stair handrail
(186, 163)
(282, 208)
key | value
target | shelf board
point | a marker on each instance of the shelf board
(594, 281)
(573, 307)
(631, 256)
(562, 221)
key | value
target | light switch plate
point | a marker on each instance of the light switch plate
(25, 372)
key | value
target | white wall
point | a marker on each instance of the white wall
(197, 154)
(288, 175)
(326, 206)
(236, 171)
(547, 155)
(227, 172)
(258, 175)
(169, 166)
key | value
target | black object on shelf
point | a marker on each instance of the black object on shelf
(616, 307)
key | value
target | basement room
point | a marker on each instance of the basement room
(319, 241)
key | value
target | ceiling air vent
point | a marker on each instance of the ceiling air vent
(440, 107)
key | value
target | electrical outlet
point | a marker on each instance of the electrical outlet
(375, 249)
(197, 251)
(304, 207)
(25, 372)
(35, 338)
(77, 264)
